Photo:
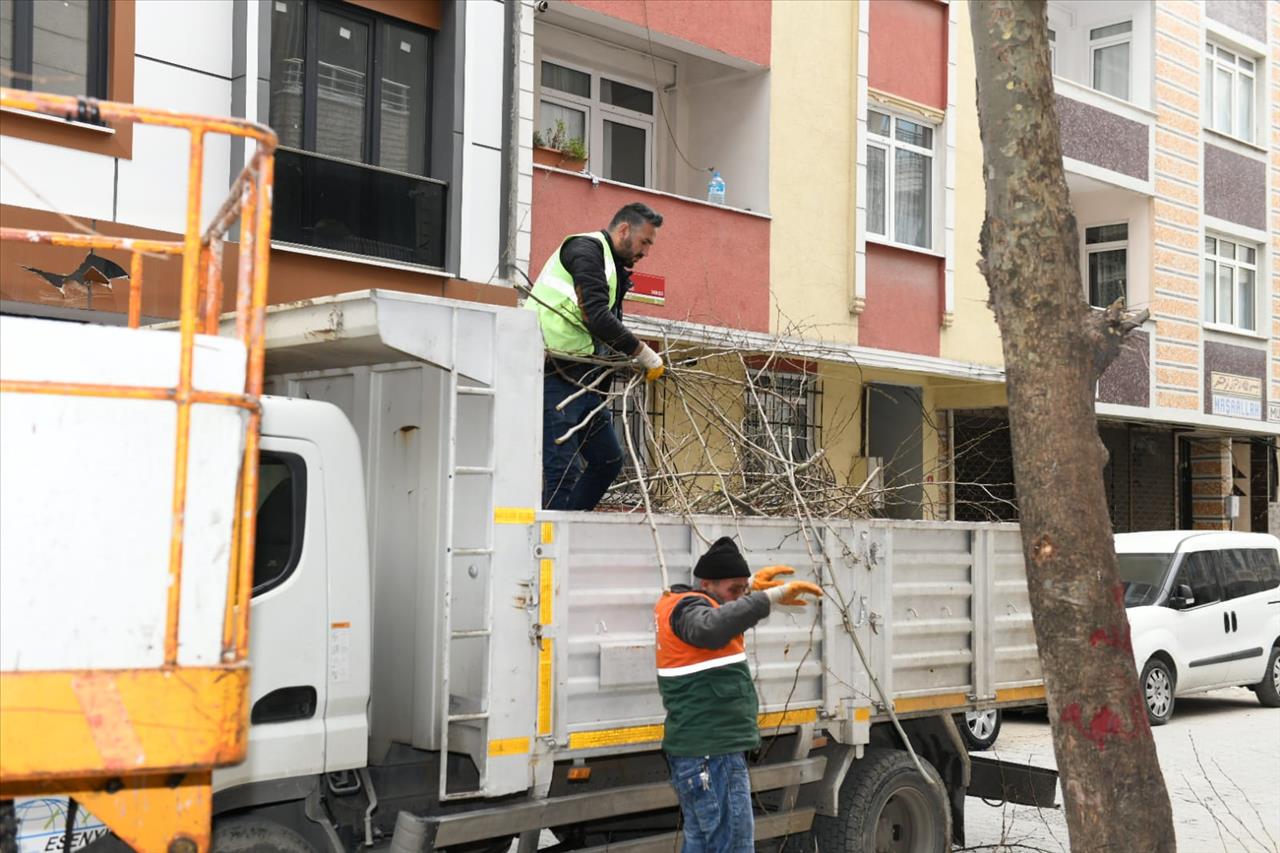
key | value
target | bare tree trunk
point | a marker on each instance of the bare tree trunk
(1055, 348)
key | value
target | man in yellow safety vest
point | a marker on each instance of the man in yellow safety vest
(578, 298)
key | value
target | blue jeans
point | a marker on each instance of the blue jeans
(576, 474)
(716, 806)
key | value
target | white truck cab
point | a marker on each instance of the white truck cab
(1204, 613)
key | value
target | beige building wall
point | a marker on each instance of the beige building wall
(973, 336)
(811, 191)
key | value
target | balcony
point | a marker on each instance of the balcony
(335, 205)
(710, 263)
(1101, 55)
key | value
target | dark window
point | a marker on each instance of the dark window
(57, 46)
(282, 502)
(350, 100)
(782, 413)
(1199, 571)
(1266, 564)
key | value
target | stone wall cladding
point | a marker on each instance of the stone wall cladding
(1102, 138)
(1127, 381)
(1210, 483)
(1247, 16)
(1235, 187)
(1176, 261)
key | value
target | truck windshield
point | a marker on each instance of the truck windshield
(1143, 576)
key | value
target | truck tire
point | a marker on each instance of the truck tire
(886, 807)
(1268, 689)
(252, 835)
(8, 827)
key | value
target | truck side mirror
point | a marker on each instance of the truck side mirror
(1182, 597)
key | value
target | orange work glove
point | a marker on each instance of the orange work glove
(788, 595)
(764, 579)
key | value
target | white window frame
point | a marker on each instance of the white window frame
(598, 111)
(889, 144)
(1214, 62)
(1209, 308)
(1088, 249)
(1053, 51)
(1111, 41)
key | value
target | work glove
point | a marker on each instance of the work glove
(651, 362)
(764, 579)
(789, 593)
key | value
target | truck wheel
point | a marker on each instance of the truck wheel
(1268, 689)
(8, 827)
(1157, 691)
(886, 807)
(979, 729)
(252, 835)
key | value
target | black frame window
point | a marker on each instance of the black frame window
(351, 84)
(1200, 571)
(281, 518)
(784, 405)
(55, 47)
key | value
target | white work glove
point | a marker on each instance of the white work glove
(651, 362)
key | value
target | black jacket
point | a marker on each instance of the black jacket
(699, 624)
(583, 258)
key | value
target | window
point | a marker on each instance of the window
(55, 46)
(900, 179)
(1106, 254)
(1109, 49)
(614, 119)
(1053, 52)
(645, 415)
(1199, 572)
(785, 407)
(282, 501)
(349, 98)
(350, 84)
(1229, 85)
(1248, 571)
(1230, 283)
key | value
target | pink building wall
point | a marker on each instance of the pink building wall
(715, 260)
(904, 301)
(740, 28)
(908, 52)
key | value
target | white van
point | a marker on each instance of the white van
(1204, 613)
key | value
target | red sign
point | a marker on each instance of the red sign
(648, 288)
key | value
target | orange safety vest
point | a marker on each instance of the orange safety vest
(675, 656)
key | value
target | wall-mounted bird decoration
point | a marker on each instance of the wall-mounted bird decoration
(94, 269)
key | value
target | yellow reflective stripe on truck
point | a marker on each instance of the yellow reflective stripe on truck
(651, 734)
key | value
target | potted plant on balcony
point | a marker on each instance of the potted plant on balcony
(559, 150)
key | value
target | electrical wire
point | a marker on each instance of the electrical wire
(657, 90)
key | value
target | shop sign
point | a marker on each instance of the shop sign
(1236, 396)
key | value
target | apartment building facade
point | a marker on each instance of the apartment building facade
(847, 137)
(1168, 113)
(395, 167)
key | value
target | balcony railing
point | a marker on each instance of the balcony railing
(325, 203)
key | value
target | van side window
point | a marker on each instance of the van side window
(1198, 572)
(282, 501)
(1239, 573)
(1266, 562)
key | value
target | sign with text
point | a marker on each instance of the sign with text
(648, 288)
(1236, 396)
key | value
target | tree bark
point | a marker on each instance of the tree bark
(1055, 347)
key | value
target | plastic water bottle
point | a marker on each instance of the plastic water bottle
(715, 188)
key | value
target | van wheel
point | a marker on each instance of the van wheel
(252, 835)
(1157, 691)
(1268, 689)
(885, 806)
(979, 729)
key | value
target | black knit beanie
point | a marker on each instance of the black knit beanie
(722, 560)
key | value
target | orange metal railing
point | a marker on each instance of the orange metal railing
(56, 767)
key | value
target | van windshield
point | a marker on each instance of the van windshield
(1143, 576)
